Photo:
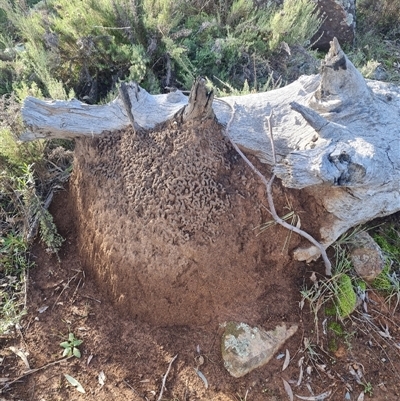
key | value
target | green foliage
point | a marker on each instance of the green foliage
(71, 346)
(71, 47)
(83, 48)
(388, 238)
(368, 388)
(7, 74)
(336, 328)
(388, 281)
(338, 294)
(48, 231)
(18, 154)
(345, 296)
(378, 30)
(381, 15)
(14, 263)
(295, 24)
(11, 310)
(21, 210)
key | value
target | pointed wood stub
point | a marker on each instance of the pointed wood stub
(199, 107)
(342, 85)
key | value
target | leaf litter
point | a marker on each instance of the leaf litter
(75, 383)
(22, 355)
(287, 360)
(288, 389)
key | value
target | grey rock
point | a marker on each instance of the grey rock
(366, 256)
(246, 348)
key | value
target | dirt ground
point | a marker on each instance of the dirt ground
(126, 355)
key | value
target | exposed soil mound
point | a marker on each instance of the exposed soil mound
(166, 225)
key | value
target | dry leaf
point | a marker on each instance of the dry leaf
(324, 323)
(288, 389)
(308, 385)
(102, 378)
(300, 376)
(356, 376)
(319, 397)
(287, 360)
(75, 383)
(21, 355)
(202, 377)
(300, 364)
(43, 309)
(90, 357)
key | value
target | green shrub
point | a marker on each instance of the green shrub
(382, 16)
(295, 24)
(83, 48)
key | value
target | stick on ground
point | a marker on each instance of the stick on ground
(29, 372)
(165, 378)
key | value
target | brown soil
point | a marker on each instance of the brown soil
(221, 271)
(169, 233)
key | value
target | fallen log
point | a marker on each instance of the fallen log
(336, 135)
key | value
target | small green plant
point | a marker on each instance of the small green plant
(368, 388)
(11, 309)
(345, 296)
(71, 346)
(337, 328)
(338, 293)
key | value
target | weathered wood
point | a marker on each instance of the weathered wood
(199, 107)
(337, 135)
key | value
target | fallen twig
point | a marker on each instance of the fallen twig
(165, 378)
(29, 372)
(268, 184)
(141, 396)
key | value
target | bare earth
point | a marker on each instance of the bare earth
(134, 320)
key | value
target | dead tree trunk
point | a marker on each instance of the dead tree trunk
(337, 136)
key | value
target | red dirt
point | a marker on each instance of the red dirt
(132, 339)
(166, 221)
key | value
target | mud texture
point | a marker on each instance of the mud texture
(167, 225)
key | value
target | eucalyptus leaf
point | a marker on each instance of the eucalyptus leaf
(75, 383)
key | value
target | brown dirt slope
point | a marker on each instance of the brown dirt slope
(167, 223)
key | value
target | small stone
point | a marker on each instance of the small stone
(246, 348)
(366, 256)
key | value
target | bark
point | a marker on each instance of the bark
(336, 135)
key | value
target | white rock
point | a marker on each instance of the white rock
(246, 348)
